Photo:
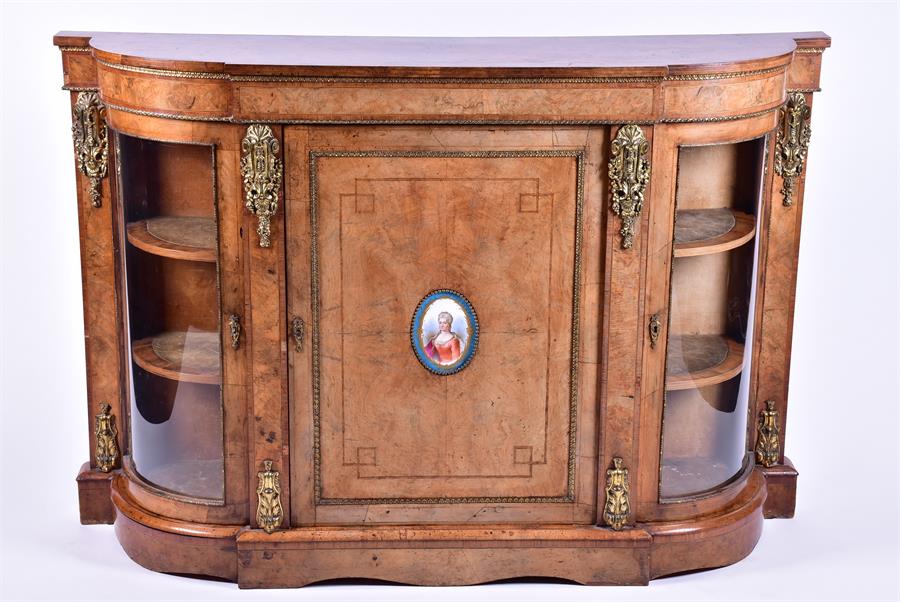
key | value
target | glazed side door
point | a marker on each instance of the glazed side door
(400, 413)
(707, 233)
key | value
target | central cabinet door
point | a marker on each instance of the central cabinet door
(446, 368)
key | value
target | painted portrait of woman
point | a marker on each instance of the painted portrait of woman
(444, 332)
(444, 347)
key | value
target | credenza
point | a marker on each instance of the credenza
(438, 311)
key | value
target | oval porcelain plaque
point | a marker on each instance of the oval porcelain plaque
(444, 332)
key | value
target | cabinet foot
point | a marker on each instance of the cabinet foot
(94, 503)
(781, 483)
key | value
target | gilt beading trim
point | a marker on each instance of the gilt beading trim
(451, 121)
(318, 79)
(731, 75)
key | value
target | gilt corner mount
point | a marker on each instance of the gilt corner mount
(261, 170)
(91, 138)
(792, 143)
(629, 173)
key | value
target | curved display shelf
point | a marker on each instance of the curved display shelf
(202, 478)
(190, 357)
(706, 231)
(190, 238)
(681, 477)
(694, 361)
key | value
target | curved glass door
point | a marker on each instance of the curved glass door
(173, 316)
(708, 350)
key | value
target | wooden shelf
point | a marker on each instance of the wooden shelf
(690, 476)
(190, 238)
(694, 361)
(190, 357)
(196, 478)
(706, 231)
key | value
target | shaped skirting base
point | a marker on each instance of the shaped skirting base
(440, 554)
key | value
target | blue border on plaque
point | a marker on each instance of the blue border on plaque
(423, 309)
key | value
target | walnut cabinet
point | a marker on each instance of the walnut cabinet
(438, 311)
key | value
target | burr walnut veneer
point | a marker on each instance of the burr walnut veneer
(438, 311)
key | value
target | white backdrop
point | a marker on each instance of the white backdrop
(843, 417)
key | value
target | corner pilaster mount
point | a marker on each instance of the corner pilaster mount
(261, 170)
(791, 144)
(91, 137)
(629, 173)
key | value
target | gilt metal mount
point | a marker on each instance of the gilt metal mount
(107, 450)
(629, 173)
(261, 170)
(234, 325)
(768, 443)
(297, 330)
(269, 512)
(791, 144)
(617, 507)
(91, 138)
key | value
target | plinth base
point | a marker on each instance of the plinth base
(94, 502)
(440, 554)
(781, 483)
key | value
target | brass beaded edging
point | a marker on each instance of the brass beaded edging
(489, 122)
(163, 72)
(731, 75)
(221, 76)
(177, 117)
(75, 49)
(717, 118)
(350, 79)
(580, 158)
(809, 50)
